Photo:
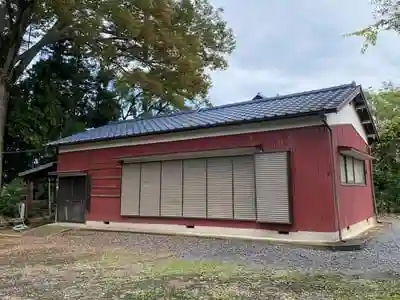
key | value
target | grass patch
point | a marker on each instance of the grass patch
(179, 279)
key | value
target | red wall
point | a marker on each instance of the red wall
(313, 208)
(355, 202)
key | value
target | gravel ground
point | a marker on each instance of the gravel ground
(380, 259)
(139, 266)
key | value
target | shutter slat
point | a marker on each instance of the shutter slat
(150, 189)
(219, 188)
(171, 188)
(130, 187)
(272, 188)
(243, 188)
(194, 188)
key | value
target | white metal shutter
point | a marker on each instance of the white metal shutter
(150, 189)
(243, 188)
(272, 187)
(171, 188)
(219, 188)
(130, 187)
(194, 188)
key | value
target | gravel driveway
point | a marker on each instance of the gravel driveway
(140, 266)
(380, 259)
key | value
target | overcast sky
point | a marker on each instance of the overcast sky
(286, 46)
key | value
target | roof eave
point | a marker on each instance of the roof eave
(241, 122)
(369, 114)
(359, 92)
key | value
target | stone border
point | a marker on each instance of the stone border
(354, 244)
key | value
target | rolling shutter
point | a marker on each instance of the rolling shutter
(171, 188)
(150, 189)
(243, 188)
(130, 188)
(219, 188)
(272, 188)
(194, 188)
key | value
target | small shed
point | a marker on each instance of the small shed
(40, 189)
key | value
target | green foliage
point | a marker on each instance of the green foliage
(163, 49)
(59, 96)
(385, 104)
(387, 167)
(387, 17)
(11, 195)
(139, 103)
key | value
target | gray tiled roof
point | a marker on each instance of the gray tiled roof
(260, 108)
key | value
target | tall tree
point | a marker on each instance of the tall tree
(59, 96)
(165, 47)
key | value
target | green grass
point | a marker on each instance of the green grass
(186, 280)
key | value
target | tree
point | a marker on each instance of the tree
(387, 17)
(59, 96)
(385, 105)
(136, 103)
(164, 47)
(387, 167)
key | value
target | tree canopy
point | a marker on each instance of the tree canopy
(161, 49)
(162, 46)
(59, 96)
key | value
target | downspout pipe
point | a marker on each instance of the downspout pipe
(373, 189)
(334, 181)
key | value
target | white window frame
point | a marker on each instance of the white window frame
(348, 176)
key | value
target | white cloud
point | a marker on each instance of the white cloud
(289, 46)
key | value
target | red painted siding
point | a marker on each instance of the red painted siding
(313, 208)
(355, 202)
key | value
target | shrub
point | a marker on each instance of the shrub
(11, 195)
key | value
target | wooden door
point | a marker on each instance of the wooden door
(72, 199)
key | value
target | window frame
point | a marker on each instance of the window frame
(345, 181)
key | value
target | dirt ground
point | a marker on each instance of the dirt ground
(108, 265)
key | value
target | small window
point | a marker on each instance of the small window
(349, 170)
(359, 171)
(352, 171)
(343, 169)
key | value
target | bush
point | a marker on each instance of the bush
(11, 195)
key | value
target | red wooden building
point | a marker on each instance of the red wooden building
(293, 167)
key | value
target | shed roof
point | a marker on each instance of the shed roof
(260, 108)
(37, 169)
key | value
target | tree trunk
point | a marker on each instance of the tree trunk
(3, 116)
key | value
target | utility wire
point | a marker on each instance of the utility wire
(24, 151)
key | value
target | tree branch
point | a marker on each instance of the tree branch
(23, 60)
(2, 17)
(16, 36)
(10, 13)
